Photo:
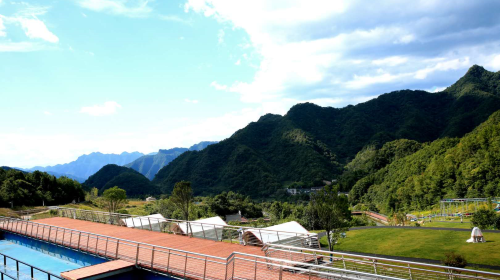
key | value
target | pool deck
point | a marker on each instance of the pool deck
(99, 271)
(198, 258)
(180, 242)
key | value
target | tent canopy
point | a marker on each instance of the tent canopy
(208, 224)
(279, 232)
(144, 220)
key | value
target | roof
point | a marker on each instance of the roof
(208, 224)
(144, 220)
(286, 230)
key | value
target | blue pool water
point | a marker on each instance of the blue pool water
(53, 259)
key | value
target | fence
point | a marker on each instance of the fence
(182, 263)
(15, 271)
(247, 235)
(374, 265)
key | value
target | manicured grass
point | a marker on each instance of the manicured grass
(465, 224)
(427, 244)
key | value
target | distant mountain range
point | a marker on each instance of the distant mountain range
(87, 165)
(149, 165)
(312, 143)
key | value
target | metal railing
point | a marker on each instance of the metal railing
(15, 271)
(217, 232)
(179, 262)
(375, 265)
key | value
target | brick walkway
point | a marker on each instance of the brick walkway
(99, 270)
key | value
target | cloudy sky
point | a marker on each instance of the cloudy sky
(78, 76)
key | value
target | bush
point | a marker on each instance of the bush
(454, 260)
(417, 224)
(484, 218)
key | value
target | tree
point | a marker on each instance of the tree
(114, 198)
(333, 213)
(182, 196)
(483, 218)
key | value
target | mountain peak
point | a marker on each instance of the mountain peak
(475, 71)
(477, 81)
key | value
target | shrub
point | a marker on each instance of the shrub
(454, 260)
(417, 224)
(484, 218)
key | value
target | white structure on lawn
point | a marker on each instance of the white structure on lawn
(476, 236)
(285, 233)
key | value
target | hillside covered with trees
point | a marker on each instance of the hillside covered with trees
(448, 167)
(111, 175)
(312, 143)
(36, 188)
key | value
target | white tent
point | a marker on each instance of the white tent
(281, 233)
(476, 236)
(151, 222)
(209, 228)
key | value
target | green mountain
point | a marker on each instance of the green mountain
(150, 164)
(87, 165)
(128, 179)
(448, 167)
(313, 143)
(36, 188)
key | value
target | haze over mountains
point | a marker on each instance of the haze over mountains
(149, 165)
(312, 143)
(87, 165)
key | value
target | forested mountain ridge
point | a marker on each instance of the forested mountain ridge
(449, 167)
(36, 188)
(149, 165)
(133, 182)
(313, 143)
(87, 165)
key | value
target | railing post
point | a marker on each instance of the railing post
(79, 238)
(409, 270)
(106, 248)
(185, 266)
(137, 255)
(150, 226)
(152, 257)
(205, 269)
(117, 244)
(168, 260)
(50, 230)
(204, 237)
(375, 266)
(96, 244)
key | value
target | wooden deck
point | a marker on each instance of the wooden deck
(98, 271)
(180, 242)
(188, 263)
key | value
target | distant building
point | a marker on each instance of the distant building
(236, 218)
(150, 199)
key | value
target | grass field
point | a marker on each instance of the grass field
(465, 224)
(427, 244)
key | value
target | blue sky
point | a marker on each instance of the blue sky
(78, 76)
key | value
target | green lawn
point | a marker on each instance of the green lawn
(465, 224)
(428, 244)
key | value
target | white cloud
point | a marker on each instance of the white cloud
(443, 66)
(2, 28)
(218, 86)
(238, 62)
(36, 29)
(47, 113)
(181, 38)
(84, 15)
(175, 18)
(495, 63)
(132, 8)
(220, 36)
(21, 47)
(191, 101)
(108, 108)
(390, 61)
(316, 49)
